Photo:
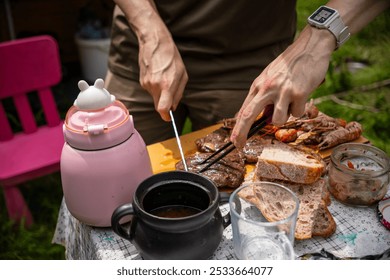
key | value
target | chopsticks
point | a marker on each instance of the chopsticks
(229, 147)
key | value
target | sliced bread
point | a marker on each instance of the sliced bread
(286, 163)
(311, 200)
(314, 218)
(324, 224)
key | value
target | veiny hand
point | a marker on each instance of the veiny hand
(162, 74)
(286, 83)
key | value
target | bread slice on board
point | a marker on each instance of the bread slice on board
(314, 218)
(324, 224)
(313, 213)
(286, 163)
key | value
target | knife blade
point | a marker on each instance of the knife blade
(178, 140)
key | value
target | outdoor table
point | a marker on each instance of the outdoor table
(359, 232)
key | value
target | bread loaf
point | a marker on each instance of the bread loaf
(286, 163)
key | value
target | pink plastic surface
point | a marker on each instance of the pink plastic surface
(104, 158)
(95, 183)
(104, 128)
(28, 65)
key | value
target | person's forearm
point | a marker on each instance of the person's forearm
(355, 14)
(358, 13)
(144, 19)
(162, 72)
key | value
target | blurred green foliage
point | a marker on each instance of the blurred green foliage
(44, 197)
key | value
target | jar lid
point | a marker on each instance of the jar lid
(97, 120)
(94, 122)
(384, 212)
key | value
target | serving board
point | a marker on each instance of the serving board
(164, 155)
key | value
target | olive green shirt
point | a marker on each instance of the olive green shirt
(225, 44)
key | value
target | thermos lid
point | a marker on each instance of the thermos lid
(97, 120)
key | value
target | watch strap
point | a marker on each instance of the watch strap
(339, 30)
(334, 24)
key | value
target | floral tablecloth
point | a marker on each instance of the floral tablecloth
(359, 233)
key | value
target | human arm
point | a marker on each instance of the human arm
(300, 69)
(162, 71)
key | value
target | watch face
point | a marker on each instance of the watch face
(322, 14)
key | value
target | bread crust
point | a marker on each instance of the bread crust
(282, 162)
(314, 217)
(310, 198)
(324, 224)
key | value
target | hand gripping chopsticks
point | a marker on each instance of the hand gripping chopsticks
(228, 147)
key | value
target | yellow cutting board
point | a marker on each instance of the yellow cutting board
(164, 155)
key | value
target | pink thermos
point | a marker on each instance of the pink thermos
(104, 158)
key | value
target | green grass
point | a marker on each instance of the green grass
(16, 242)
(371, 45)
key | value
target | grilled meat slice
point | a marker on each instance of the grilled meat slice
(228, 172)
(213, 141)
(254, 147)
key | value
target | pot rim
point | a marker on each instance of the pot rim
(182, 223)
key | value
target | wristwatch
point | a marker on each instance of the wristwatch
(328, 18)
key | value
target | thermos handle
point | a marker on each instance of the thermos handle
(224, 198)
(119, 213)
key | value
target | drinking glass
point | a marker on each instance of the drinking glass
(263, 217)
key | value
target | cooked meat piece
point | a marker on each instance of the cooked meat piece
(213, 141)
(254, 146)
(227, 172)
(229, 123)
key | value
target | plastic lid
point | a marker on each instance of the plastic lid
(384, 212)
(96, 120)
(89, 121)
(95, 110)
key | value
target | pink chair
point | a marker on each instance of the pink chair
(30, 65)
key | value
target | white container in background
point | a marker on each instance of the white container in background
(93, 55)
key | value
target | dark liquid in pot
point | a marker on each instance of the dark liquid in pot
(175, 211)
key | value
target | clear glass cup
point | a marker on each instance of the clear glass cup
(263, 217)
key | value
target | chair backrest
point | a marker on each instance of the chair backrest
(29, 65)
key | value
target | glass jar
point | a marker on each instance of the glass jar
(358, 174)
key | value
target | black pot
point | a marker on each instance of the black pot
(192, 236)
